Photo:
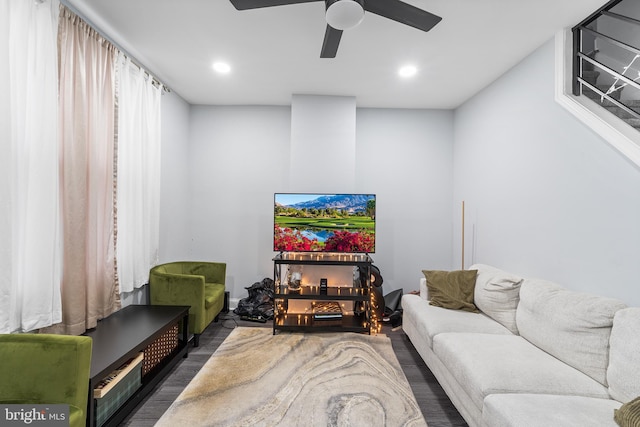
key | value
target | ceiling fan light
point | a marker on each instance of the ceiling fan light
(344, 14)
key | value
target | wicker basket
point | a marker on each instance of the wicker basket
(159, 349)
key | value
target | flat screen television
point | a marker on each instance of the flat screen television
(339, 223)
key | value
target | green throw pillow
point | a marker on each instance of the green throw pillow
(629, 414)
(452, 289)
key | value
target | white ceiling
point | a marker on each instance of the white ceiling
(275, 52)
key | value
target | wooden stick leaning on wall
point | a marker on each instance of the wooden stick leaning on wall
(463, 235)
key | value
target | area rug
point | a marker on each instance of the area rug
(256, 378)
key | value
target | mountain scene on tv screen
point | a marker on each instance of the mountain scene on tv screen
(327, 223)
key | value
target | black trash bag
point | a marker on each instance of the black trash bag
(259, 302)
(393, 308)
(392, 301)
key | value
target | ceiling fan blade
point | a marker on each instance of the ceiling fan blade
(402, 12)
(256, 4)
(331, 42)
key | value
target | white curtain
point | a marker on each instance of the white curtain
(30, 241)
(138, 192)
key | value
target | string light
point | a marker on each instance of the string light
(376, 325)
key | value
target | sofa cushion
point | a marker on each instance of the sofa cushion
(544, 410)
(213, 294)
(491, 363)
(572, 326)
(623, 373)
(431, 321)
(497, 294)
(451, 289)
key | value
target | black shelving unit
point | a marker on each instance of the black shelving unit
(359, 293)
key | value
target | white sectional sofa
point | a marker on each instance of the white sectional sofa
(535, 355)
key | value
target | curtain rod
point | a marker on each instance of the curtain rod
(133, 60)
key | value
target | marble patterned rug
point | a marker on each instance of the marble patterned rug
(256, 378)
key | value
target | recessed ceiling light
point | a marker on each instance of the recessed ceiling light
(221, 67)
(407, 71)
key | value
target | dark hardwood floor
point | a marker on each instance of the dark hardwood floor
(434, 403)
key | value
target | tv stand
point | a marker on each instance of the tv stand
(123, 335)
(358, 320)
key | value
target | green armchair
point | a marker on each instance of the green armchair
(47, 369)
(200, 285)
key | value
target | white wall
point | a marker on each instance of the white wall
(175, 237)
(323, 144)
(239, 157)
(545, 196)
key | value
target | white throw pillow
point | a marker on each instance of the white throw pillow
(424, 292)
(497, 294)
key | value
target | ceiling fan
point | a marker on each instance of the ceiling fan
(344, 14)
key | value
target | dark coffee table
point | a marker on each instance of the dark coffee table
(123, 335)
